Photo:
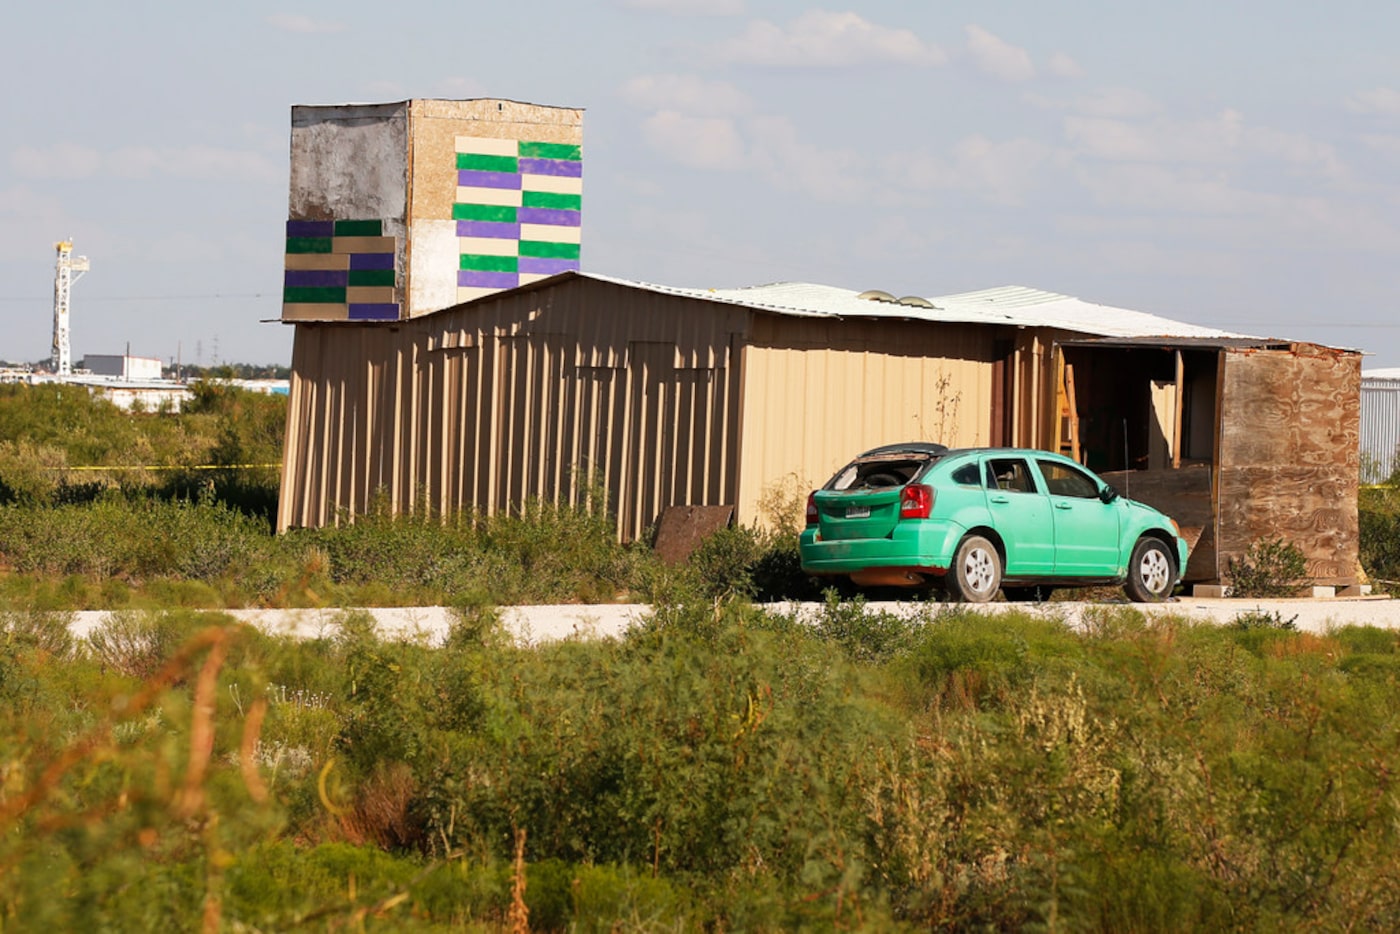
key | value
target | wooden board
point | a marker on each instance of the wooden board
(1313, 508)
(1184, 495)
(1289, 456)
(683, 528)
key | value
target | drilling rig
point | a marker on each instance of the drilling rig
(67, 270)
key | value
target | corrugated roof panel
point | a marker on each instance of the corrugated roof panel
(1382, 373)
(1015, 306)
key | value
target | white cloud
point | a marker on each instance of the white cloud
(1386, 144)
(794, 165)
(1002, 172)
(71, 161)
(1062, 66)
(1116, 102)
(997, 57)
(65, 160)
(823, 39)
(1202, 205)
(697, 142)
(688, 7)
(687, 93)
(295, 22)
(1100, 102)
(1225, 140)
(1384, 102)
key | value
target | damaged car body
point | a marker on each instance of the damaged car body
(978, 520)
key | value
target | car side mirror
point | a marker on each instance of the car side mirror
(1107, 493)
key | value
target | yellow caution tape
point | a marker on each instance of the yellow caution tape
(171, 467)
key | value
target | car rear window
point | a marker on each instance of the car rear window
(880, 472)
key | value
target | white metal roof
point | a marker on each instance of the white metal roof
(1010, 305)
(1382, 373)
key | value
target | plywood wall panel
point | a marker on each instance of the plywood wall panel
(1289, 456)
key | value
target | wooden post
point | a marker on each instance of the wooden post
(1176, 417)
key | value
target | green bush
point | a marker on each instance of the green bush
(1269, 568)
(954, 770)
(1379, 514)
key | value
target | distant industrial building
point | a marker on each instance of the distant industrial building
(123, 366)
(1380, 424)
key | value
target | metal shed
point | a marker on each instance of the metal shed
(672, 396)
(1380, 424)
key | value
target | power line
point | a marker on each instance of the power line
(90, 300)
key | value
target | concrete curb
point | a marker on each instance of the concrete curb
(533, 625)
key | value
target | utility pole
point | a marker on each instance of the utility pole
(63, 278)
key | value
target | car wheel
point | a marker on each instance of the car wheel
(1036, 594)
(976, 571)
(1151, 572)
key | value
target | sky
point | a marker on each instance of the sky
(1230, 164)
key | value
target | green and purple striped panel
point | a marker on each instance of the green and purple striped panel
(504, 186)
(344, 267)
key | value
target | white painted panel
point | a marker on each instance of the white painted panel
(550, 233)
(489, 246)
(558, 184)
(486, 146)
(509, 197)
(433, 264)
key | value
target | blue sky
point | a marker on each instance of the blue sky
(1231, 164)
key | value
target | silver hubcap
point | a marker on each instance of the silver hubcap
(1154, 571)
(979, 570)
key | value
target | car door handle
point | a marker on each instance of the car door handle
(1064, 506)
(999, 499)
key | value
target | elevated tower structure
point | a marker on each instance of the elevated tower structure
(67, 270)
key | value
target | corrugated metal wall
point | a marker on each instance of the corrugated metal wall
(533, 395)
(662, 399)
(819, 391)
(1380, 428)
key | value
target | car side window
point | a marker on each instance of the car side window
(968, 474)
(1010, 473)
(1064, 480)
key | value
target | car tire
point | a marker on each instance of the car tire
(1037, 593)
(975, 575)
(1151, 572)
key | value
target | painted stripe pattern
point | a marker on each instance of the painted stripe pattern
(340, 270)
(517, 212)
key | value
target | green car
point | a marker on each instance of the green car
(978, 519)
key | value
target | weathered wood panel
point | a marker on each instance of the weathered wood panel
(1184, 495)
(1289, 455)
(1312, 507)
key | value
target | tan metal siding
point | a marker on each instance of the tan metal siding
(817, 393)
(487, 406)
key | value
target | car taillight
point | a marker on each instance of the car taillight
(916, 501)
(813, 517)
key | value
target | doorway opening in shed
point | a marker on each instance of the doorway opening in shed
(1139, 407)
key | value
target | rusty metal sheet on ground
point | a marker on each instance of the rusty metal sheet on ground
(683, 528)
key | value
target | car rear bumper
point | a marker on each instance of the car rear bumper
(926, 545)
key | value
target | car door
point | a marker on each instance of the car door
(1087, 530)
(1021, 514)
